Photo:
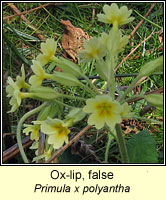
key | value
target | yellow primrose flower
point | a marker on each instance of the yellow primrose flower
(125, 110)
(48, 50)
(93, 49)
(114, 42)
(46, 155)
(40, 75)
(57, 131)
(34, 130)
(114, 15)
(20, 80)
(35, 145)
(104, 110)
(13, 91)
(11, 87)
(15, 101)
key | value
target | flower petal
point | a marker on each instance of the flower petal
(35, 80)
(94, 119)
(111, 121)
(56, 141)
(47, 129)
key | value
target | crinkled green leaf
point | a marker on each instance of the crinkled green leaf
(142, 148)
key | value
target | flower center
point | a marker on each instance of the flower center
(104, 109)
(62, 131)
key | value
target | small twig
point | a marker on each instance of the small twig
(148, 20)
(133, 50)
(17, 11)
(157, 91)
(27, 11)
(141, 80)
(93, 14)
(62, 149)
(5, 134)
(139, 24)
(41, 143)
(14, 150)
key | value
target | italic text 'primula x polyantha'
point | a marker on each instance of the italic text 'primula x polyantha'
(103, 111)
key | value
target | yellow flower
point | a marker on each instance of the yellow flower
(125, 112)
(46, 155)
(35, 145)
(57, 131)
(93, 49)
(34, 130)
(40, 75)
(13, 91)
(20, 80)
(11, 87)
(114, 42)
(104, 110)
(48, 50)
(114, 15)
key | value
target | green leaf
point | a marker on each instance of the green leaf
(50, 111)
(68, 157)
(142, 148)
(44, 113)
(19, 33)
(15, 50)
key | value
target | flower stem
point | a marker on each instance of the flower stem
(149, 120)
(111, 79)
(92, 86)
(24, 157)
(133, 97)
(121, 144)
(72, 97)
(88, 90)
(107, 147)
(148, 20)
(64, 104)
(130, 87)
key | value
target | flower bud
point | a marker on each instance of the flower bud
(68, 66)
(76, 114)
(155, 99)
(43, 93)
(65, 79)
(102, 69)
(151, 66)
